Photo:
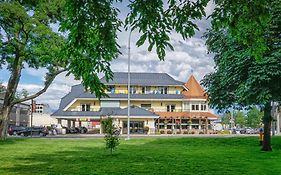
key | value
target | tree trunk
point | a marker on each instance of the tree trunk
(267, 119)
(10, 94)
(4, 119)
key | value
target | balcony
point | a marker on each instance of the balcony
(165, 110)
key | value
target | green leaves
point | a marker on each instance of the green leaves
(240, 77)
(156, 22)
(246, 20)
(92, 40)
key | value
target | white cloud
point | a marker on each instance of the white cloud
(189, 56)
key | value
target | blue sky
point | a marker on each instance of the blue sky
(189, 55)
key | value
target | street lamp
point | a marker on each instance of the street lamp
(129, 81)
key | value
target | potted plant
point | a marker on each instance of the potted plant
(146, 129)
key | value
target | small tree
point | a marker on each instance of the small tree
(111, 134)
(254, 117)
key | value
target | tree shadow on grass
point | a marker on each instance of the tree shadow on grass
(10, 141)
(156, 156)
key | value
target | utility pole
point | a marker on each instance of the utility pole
(129, 86)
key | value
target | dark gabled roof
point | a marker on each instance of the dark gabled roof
(134, 111)
(143, 79)
(60, 112)
(76, 90)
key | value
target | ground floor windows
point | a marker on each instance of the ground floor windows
(180, 125)
(136, 127)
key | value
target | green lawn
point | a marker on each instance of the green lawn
(140, 156)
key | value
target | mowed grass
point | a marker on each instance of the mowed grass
(197, 156)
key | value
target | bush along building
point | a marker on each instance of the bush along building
(159, 104)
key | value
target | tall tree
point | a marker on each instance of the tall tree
(245, 39)
(89, 39)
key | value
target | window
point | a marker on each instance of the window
(171, 108)
(195, 107)
(186, 107)
(146, 106)
(85, 107)
(145, 90)
(133, 89)
(110, 104)
(203, 107)
(163, 90)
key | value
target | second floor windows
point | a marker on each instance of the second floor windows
(146, 106)
(133, 89)
(146, 90)
(195, 107)
(85, 107)
(163, 90)
(171, 108)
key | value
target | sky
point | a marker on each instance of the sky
(189, 57)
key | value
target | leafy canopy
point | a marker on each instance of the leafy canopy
(240, 78)
(88, 39)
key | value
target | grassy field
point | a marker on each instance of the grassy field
(216, 156)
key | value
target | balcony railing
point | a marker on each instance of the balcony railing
(80, 109)
(139, 92)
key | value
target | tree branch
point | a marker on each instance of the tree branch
(50, 76)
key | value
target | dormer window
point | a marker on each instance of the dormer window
(203, 107)
(85, 107)
(195, 107)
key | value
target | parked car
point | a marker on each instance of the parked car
(243, 131)
(13, 130)
(73, 130)
(76, 130)
(41, 131)
(82, 130)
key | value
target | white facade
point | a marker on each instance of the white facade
(40, 119)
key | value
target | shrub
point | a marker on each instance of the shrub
(162, 132)
(178, 132)
(169, 132)
(185, 132)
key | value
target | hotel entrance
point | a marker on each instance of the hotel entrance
(136, 127)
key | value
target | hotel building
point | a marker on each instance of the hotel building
(159, 104)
